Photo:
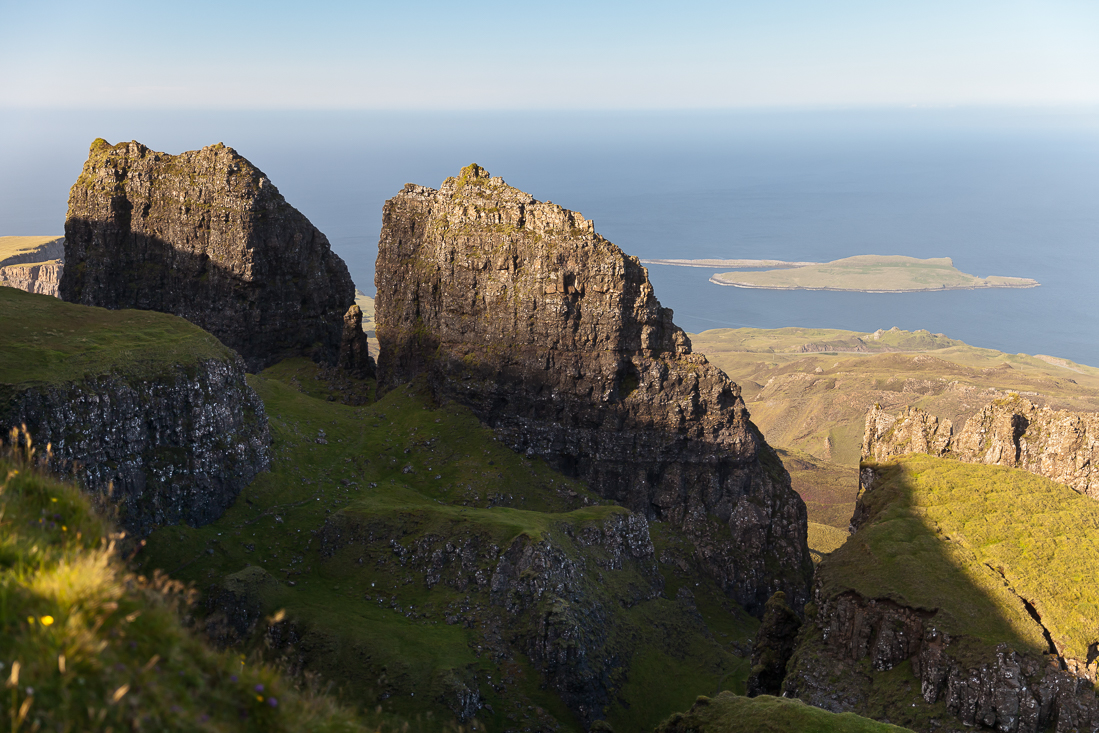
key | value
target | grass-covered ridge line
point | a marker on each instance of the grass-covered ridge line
(85, 644)
(407, 471)
(729, 713)
(46, 340)
(969, 542)
(871, 274)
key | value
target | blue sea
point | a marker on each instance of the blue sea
(1002, 192)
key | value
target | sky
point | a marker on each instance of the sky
(431, 55)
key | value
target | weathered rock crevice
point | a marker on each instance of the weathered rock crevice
(175, 447)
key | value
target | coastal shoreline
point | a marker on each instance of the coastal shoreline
(733, 264)
(747, 286)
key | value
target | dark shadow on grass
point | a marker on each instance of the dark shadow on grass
(951, 596)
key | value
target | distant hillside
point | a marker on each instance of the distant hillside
(33, 264)
(809, 390)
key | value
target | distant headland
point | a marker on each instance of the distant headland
(862, 273)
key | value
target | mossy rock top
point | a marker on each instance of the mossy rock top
(49, 341)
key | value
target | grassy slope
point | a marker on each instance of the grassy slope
(809, 392)
(871, 272)
(947, 535)
(86, 645)
(47, 340)
(390, 644)
(11, 246)
(728, 713)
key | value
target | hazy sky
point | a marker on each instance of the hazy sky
(555, 55)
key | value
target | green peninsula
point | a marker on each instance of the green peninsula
(871, 274)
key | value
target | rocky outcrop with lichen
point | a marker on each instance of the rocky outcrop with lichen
(1059, 444)
(204, 235)
(554, 337)
(177, 446)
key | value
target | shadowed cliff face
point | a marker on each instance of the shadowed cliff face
(553, 336)
(204, 235)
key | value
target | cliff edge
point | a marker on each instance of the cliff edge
(150, 413)
(554, 338)
(1062, 445)
(206, 236)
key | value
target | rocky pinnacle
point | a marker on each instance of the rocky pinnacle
(206, 236)
(553, 336)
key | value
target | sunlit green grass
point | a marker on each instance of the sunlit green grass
(85, 645)
(969, 541)
(46, 340)
(729, 713)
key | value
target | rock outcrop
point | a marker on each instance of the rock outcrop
(558, 601)
(152, 415)
(775, 643)
(1058, 444)
(206, 236)
(178, 447)
(554, 338)
(355, 356)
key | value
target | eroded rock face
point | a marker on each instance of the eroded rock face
(548, 600)
(553, 336)
(1058, 444)
(355, 356)
(206, 236)
(175, 448)
(775, 643)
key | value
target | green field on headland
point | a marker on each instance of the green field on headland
(871, 274)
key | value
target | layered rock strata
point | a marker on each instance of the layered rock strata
(175, 447)
(36, 271)
(554, 338)
(204, 235)
(1058, 444)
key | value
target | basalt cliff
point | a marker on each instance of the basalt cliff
(1061, 445)
(206, 236)
(153, 416)
(554, 338)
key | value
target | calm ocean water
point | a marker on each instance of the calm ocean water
(1004, 192)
